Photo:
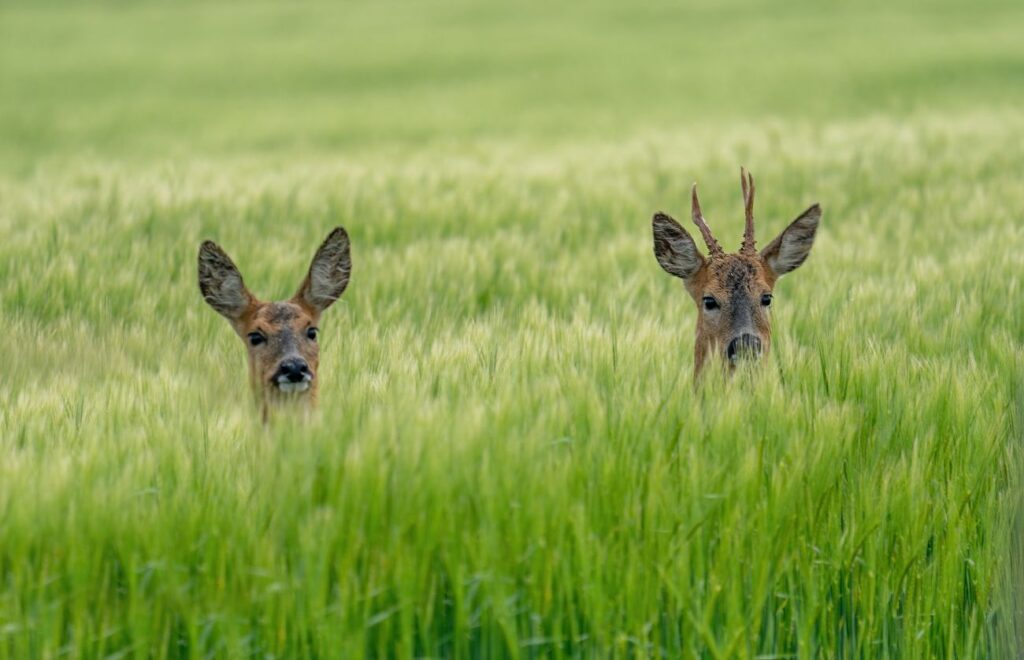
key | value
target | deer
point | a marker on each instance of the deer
(281, 337)
(733, 292)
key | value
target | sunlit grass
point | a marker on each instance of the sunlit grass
(509, 454)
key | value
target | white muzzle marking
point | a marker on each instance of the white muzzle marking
(285, 386)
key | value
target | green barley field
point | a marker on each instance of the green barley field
(509, 458)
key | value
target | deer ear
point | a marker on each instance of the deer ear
(328, 274)
(220, 282)
(674, 249)
(791, 247)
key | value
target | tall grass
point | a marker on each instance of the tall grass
(509, 458)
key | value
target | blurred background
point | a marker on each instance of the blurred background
(153, 79)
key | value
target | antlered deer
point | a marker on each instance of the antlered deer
(281, 337)
(733, 292)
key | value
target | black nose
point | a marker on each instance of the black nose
(743, 346)
(295, 370)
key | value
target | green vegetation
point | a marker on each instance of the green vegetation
(509, 457)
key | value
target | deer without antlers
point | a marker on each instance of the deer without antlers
(733, 292)
(281, 337)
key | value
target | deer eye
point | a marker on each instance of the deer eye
(312, 333)
(710, 303)
(256, 338)
(766, 299)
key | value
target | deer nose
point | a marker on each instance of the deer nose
(294, 370)
(745, 345)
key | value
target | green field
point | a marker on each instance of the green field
(509, 458)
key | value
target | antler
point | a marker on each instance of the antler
(714, 249)
(747, 182)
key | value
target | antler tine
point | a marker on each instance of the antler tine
(747, 182)
(698, 219)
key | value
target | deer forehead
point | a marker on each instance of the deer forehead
(277, 315)
(735, 275)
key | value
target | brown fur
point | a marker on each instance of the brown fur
(283, 326)
(739, 283)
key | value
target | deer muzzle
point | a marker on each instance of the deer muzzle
(293, 375)
(745, 346)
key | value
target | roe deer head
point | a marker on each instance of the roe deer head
(281, 337)
(733, 292)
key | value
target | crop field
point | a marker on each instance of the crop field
(509, 457)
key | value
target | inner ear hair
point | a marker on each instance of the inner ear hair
(329, 272)
(674, 248)
(221, 282)
(790, 248)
